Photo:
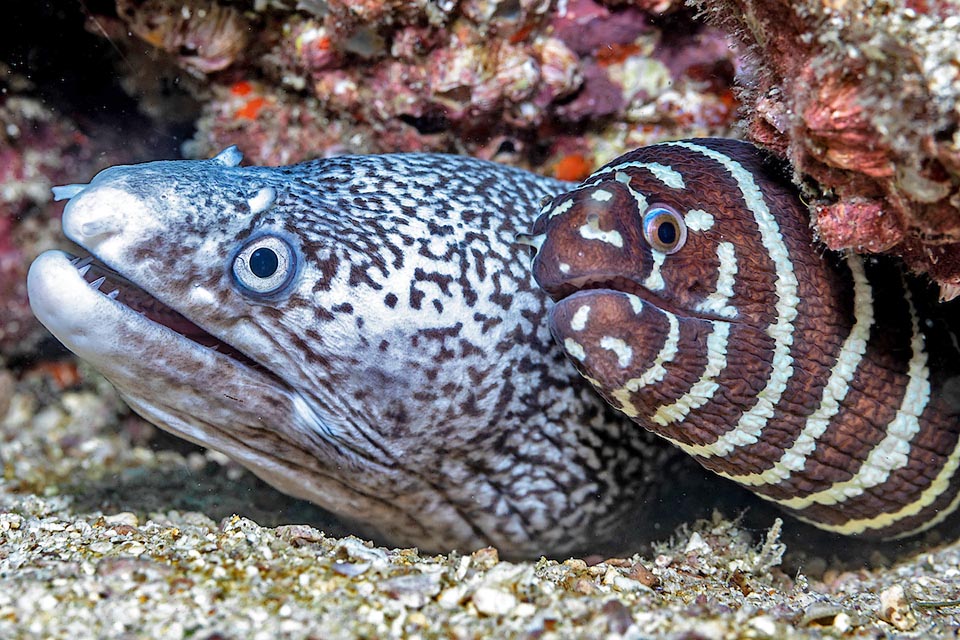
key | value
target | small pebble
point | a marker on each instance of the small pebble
(895, 609)
(696, 544)
(493, 602)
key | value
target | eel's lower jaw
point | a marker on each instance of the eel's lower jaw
(73, 296)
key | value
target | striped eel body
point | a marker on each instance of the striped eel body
(690, 292)
(359, 331)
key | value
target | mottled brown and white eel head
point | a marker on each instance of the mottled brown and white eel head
(360, 331)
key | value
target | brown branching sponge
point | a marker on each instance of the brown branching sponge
(862, 99)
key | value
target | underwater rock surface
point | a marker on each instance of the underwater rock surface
(863, 100)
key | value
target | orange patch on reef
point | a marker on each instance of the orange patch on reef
(241, 88)
(615, 53)
(572, 168)
(251, 109)
(521, 34)
(63, 374)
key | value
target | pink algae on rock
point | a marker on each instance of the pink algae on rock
(37, 150)
(523, 81)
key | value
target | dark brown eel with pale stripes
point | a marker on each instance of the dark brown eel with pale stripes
(690, 292)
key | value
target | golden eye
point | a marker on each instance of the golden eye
(664, 229)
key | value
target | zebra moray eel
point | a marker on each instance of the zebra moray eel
(363, 332)
(690, 292)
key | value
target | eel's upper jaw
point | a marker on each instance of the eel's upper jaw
(88, 320)
(99, 327)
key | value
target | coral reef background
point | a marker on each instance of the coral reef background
(100, 514)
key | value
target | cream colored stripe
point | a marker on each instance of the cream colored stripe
(939, 485)
(718, 301)
(654, 280)
(703, 389)
(851, 353)
(893, 451)
(752, 422)
(655, 373)
(641, 200)
(667, 175)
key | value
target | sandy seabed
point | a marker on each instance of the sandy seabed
(108, 529)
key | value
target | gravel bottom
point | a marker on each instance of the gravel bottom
(102, 536)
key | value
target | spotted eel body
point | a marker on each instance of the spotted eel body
(691, 294)
(372, 340)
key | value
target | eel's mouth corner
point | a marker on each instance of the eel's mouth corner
(572, 289)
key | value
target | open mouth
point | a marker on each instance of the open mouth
(114, 286)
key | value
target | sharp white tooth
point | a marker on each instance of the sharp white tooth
(80, 263)
(83, 270)
(113, 294)
(99, 281)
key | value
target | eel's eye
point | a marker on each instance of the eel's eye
(265, 265)
(664, 228)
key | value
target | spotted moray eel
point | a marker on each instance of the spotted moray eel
(690, 292)
(372, 340)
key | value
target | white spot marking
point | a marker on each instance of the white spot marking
(851, 353)
(620, 348)
(592, 231)
(635, 303)
(564, 267)
(751, 423)
(200, 295)
(575, 349)
(562, 208)
(262, 200)
(718, 301)
(579, 320)
(601, 195)
(698, 220)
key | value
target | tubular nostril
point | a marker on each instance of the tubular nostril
(531, 240)
(67, 191)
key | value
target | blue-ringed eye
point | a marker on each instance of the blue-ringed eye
(664, 228)
(265, 265)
